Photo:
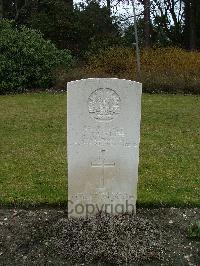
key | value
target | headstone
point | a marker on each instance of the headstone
(103, 145)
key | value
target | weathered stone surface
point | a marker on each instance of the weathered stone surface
(103, 145)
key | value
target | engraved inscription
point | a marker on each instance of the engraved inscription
(102, 195)
(104, 104)
(100, 137)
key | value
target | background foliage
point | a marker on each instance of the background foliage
(171, 70)
(101, 42)
(26, 59)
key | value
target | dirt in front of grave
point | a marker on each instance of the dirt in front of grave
(47, 237)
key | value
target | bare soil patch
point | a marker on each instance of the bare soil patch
(45, 236)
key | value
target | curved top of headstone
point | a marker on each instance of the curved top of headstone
(103, 99)
(131, 82)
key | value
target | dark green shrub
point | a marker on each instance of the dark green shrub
(27, 60)
(194, 231)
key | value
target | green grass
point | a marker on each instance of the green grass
(33, 150)
(170, 150)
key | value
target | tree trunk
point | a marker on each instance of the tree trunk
(69, 3)
(147, 24)
(109, 6)
(1, 9)
(192, 25)
(190, 31)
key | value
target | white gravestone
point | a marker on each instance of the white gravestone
(103, 135)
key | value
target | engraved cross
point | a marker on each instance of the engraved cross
(102, 164)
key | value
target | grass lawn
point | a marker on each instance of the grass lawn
(33, 150)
